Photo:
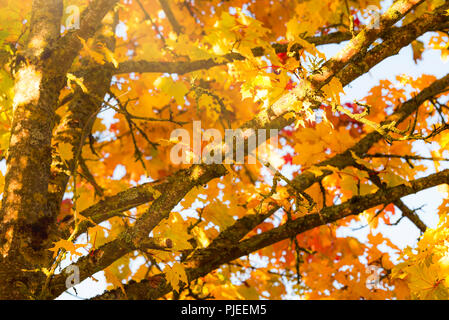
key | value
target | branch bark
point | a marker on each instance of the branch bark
(77, 122)
(170, 16)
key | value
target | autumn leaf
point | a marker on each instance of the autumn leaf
(67, 246)
(112, 278)
(418, 49)
(79, 81)
(175, 275)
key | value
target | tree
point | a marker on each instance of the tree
(89, 104)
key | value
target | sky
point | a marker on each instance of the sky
(405, 233)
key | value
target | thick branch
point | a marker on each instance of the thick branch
(414, 30)
(77, 122)
(170, 16)
(230, 238)
(182, 67)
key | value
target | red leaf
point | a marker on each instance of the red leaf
(288, 159)
(283, 57)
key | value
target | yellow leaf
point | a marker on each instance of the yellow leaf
(97, 57)
(156, 193)
(140, 273)
(2, 182)
(78, 81)
(98, 126)
(171, 142)
(201, 236)
(65, 150)
(175, 230)
(175, 89)
(85, 199)
(175, 275)
(218, 214)
(112, 278)
(212, 108)
(109, 55)
(333, 89)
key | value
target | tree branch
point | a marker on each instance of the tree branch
(411, 215)
(171, 17)
(77, 122)
(361, 42)
(171, 191)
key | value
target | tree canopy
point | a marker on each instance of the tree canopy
(93, 94)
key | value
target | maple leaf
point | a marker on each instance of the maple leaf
(112, 278)
(175, 275)
(68, 246)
